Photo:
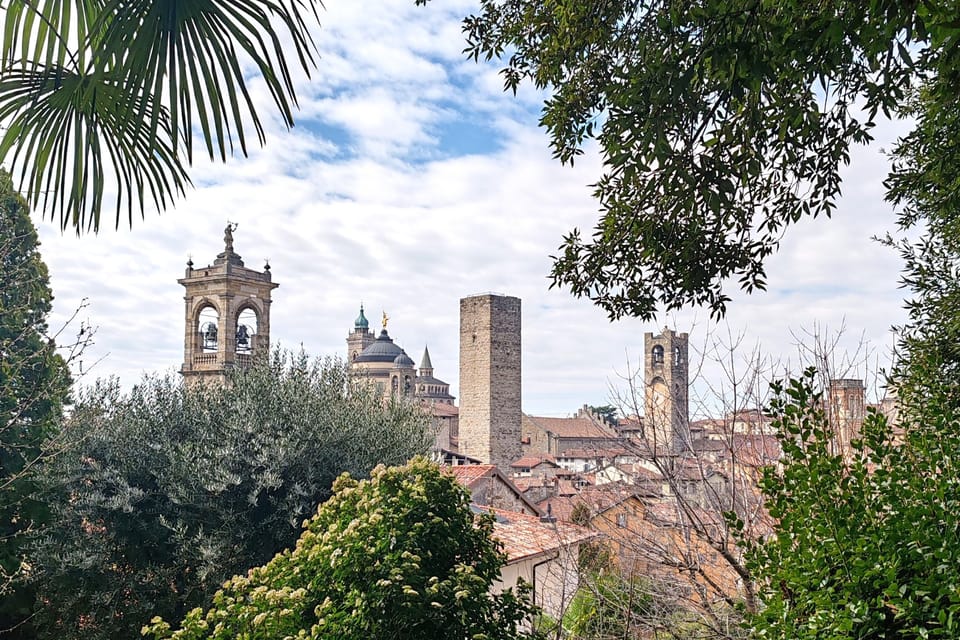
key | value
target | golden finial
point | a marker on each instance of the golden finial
(385, 319)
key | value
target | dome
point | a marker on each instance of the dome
(361, 322)
(382, 350)
(403, 360)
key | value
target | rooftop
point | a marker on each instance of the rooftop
(526, 536)
(576, 427)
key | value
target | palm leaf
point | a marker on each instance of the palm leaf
(190, 51)
(144, 76)
(65, 131)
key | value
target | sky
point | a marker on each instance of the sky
(412, 180)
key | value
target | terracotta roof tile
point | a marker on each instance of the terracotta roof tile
(468, 474)
(442, 409)
(599, 499)
(533, 460)
(527, 483)
(577, 427)
(524, 536)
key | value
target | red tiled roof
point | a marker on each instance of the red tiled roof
(533, 460)
(526, 483)
(524, 536)
(642, 473)
(468, 474)
(566, 488)
(599, 499)
(630, 423)
(561, 507)
(577, 427)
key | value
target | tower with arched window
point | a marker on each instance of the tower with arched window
(227, 321)
(666, 420)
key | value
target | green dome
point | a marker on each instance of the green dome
(361, 322)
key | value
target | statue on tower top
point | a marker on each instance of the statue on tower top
(228, 236)
(385, 319)
(228, 255)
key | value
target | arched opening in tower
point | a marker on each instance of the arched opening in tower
(247, 329)
(208, 328)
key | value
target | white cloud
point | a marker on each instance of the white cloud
(374, 206)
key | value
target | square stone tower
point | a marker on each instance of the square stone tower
(490, 412)
(846, 409)
(666, 408)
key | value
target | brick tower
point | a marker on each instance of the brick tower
(490, 379)
(666, 372)
(227, 320)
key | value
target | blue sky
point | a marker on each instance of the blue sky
(412, 180)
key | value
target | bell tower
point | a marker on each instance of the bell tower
(227, 317)
(360, 338)
(666, 409)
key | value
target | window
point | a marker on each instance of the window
(657, 354)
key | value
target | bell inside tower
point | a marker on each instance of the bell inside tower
(246, 330)
(208, 322)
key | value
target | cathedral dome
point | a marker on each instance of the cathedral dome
(382, 350)
(403, 360)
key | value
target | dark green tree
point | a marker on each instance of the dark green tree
(93, 91)
(176, 488)
(607, 413)
(867, 547)
(870, 547)
(34, 386)
(720, 123)
(400, 556)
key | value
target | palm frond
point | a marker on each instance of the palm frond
(65, 131)
(193, 48)
(94, 86)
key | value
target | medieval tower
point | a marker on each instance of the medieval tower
(490, 412)
(846, 411)
(666, 410)
(227, 319)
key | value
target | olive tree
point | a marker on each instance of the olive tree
(176, 487)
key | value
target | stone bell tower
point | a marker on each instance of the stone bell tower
(846, 409)
(666, 409)
(360, 338)
(227, 319)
